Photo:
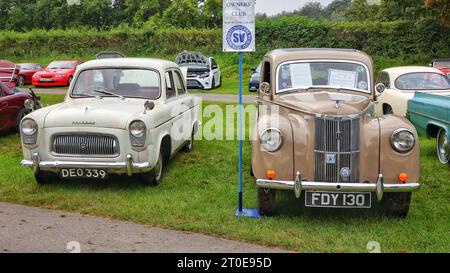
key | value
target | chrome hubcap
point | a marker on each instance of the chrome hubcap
(443, 147)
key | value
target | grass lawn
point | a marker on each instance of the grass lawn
(199, 194)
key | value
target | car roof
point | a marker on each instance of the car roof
(400, 70)
(130, 62)
(288, 54)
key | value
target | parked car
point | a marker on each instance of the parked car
(120, 116)
(202, 72)
(27, 71)
(315, 133)
(8, 73)
(443, 65)
(12, 108)
(253, 84)
(401, 83)
(57, 73)
(431, 116)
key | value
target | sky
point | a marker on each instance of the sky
(273, 7)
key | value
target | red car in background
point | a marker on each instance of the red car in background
(9, 73)
(27, 71)
(57, 73)
(443, 65)
(12, 107)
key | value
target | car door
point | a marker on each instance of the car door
(187, 104)
(215, 71)
(6, 108)
(174, 104)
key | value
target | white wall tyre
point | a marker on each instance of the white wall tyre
(443, 147)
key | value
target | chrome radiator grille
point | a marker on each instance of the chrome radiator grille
(337, 149)
(89, 145)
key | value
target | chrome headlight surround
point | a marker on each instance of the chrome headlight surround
(29, 131)
(403, 140)
(138, 133)
(271, 140)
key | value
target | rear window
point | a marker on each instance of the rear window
(422, 81)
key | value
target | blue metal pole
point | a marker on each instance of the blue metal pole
(240, 130)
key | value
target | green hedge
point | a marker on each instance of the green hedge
(387, 39)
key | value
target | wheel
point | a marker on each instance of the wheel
(397, 204)
(154, 177)
(45, 178)
(20, 116)
(21, 80)
(443, 147)
(387, 110)
(190, 145)
(266, 201)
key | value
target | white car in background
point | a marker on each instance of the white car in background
(399, 84)
(202, 72)
(120, 116)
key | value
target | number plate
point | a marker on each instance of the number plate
(84, 173)
(46, 80)
(338, 200)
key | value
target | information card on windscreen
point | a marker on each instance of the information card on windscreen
(301, 75)
(342, 78)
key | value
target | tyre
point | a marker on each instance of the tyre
(43, 178)
(387, 110)
(22, 113)
(190, 145)
(397, 204)
(443, 147)
(21, 80)
(266, 202)
(154, 177)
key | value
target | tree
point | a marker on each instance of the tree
(212, 13)
(442, 9)
(335, 10)
(181, 13)
(402, 9)
(360, 10)
(312, 10)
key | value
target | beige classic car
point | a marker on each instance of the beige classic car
(121, 116)
(401, 83)
(316, 135)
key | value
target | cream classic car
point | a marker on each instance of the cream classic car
(316, 135)
(401, 83)
(120, 116)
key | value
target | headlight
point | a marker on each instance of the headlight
(403, 140)
(205, 75)
(137, 129)
(29, 127)
(271, 140)
(138, 132)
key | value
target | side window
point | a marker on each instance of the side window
(266, 72)
(38, 66)
(179, 83)
(170, 91)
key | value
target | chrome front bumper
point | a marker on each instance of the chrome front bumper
(298, 186)
(129, 167)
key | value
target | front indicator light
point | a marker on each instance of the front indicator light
(403, 177)
(271, 174)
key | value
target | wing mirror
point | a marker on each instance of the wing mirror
(380, 87)
(29, 104)
(149, 106)
(265, 88)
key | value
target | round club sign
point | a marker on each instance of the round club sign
(238, 25)
(239, 37)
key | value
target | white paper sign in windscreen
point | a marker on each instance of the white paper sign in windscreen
(301, 75)
(343, 78)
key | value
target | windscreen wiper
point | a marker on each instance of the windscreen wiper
(108, 93)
